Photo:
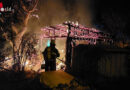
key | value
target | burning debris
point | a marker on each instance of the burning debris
(77, 32)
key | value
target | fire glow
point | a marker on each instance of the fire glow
(77, 31)
(79, 34)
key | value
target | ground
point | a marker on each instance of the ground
(11, 80)
(60, 79)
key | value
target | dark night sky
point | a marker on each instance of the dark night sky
(114, 12)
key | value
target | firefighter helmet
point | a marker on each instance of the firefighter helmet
(53, 42)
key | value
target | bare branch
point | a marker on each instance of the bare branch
(26, 10)
(5, 35)
(14, 29)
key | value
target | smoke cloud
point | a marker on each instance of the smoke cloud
(52, 12)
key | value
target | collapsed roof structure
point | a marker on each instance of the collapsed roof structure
(76, 32)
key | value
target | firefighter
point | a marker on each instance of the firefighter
(50, 54)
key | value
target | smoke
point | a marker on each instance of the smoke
(52, 12)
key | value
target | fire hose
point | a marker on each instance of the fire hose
(61, 60)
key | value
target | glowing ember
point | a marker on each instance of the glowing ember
(77, 31)
(27, 62)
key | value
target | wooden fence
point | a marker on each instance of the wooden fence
(93, 62)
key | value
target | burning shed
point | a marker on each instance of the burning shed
(72, 34)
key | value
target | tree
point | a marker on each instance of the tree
(14, 24)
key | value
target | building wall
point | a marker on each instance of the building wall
(112, 65)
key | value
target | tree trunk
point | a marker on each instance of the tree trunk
(18, 38)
